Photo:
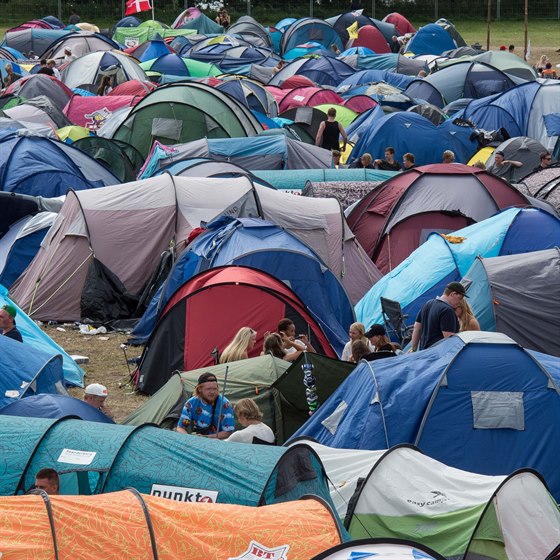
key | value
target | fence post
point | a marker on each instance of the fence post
(436, 10)
(248, 7)
(60, 10)
(498, 10)
(373, 8)
(310, 8)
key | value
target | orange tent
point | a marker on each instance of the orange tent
(129, 526)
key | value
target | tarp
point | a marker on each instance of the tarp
(128, 526)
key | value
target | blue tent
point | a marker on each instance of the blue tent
(103, 458)
(393, 62)
(27, 371)
(54, 406)
(410, 132)
(260, 244)
(438, 261)
(39, 341)
(373, 75)
(430, 39)
(309, 29)
(40, 166)
(476, 401)
(323, 70)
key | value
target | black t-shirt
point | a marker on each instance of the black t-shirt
(330, 136)
(386, 166)
(14, 334)
(436, 316)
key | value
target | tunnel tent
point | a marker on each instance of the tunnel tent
(178, 113)
(127, 525)
(95, 458)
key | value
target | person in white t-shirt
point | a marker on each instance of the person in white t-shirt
(250, 417)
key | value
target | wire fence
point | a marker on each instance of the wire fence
(268, 12)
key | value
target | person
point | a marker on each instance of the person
(448, 157)
(207, 413)
(274, 345)
(377, 336)
(68, 56)
(511, 48)
(541, 65)
(363, 162)
(11, 76)
(32, 56)
(467, 320)
(105, 86)
(329, 132)
(74, 17)
(422, 74)
(250, 417)
(360, 351)
(48, 481)
(8, 322)
(389, 163)
(479, 164)
(437, 319)
(51, 63)
(278, 67)
(223, 18)
(96, 395)
(408, 161)
(503, 167)
(335, 49)
(545, 160)
(356, 331)
(336, 163)
(240, 347)
(44, 69)
(549, 72)
(291, 343)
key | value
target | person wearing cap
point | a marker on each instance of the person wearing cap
(377, 336)
(207, 413)
(503, 167)
(8, 323)
(437, 319)
(96, 395)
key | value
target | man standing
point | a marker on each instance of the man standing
(503, 167)
(207, 413)
(389, 163)
(48, 481)
(96, 395)
(437, 319)
(329, 132)
(8, 323)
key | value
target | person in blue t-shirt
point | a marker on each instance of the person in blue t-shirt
(437, 318)
(207, 413)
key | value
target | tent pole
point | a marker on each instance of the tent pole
(488, 22)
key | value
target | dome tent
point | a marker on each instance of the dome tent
(309, 29)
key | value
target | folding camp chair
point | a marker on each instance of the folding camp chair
(395, 321)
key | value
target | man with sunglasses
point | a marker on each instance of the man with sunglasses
(546, 160)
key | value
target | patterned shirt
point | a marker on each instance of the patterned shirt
(198, 415)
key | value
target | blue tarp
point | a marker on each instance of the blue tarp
(426, 399)
(424, 274)
(37, 339)
(262, 245)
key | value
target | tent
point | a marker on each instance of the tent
(476, 401)
(176, 113)
(544, 184)
(54, 406)
(512, 294)
(397, 217)
(21, 243)
(252, 94)
(80, 44)
(28, 371)
(370, 37)
(41, 84)
(324, 70)
(446, 258)
(309, 29)
(90, 69)
(430, 39)
(307, 97)
(40, 166)
(262, 245)
(342, 22)
(400, 22)
(94, 111)
(369, 76)
(251, 30)
(474, 80)
(382, 549)
(102, 458)
(404, 494)
(171, 64)
(184, 339)
(257, 152)
(126, 526)
(410, 132)
(36, 40)
(150, 50)
(193, 18)
(39, 111)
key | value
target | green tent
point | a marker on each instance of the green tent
(181, 112)
(290, 395)
(344, 115)
(134, 36)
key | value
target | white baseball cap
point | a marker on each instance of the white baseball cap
(96, 389)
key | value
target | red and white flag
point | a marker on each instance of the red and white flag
(135, 6)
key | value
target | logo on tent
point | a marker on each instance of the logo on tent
(257, 551)
(98, 118)
(181, 494)
(436, 497)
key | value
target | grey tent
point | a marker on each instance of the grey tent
(346, 192)
(251, 31)
(520, 148)
(519, 295)
(44, 103)
(544, 185)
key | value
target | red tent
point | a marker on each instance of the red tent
(400, 22)
(397, 217)
(93, 111)
(372, 38)
(207, 311)
(360, 103)
(297, 81)
(133, 87)
(309, 97)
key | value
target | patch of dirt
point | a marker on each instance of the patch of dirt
(106, 365)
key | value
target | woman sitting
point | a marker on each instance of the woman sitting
(356, 332)
(250, 417)
(239, 348)
(274, 345)
(467, 320)
(377, 336)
